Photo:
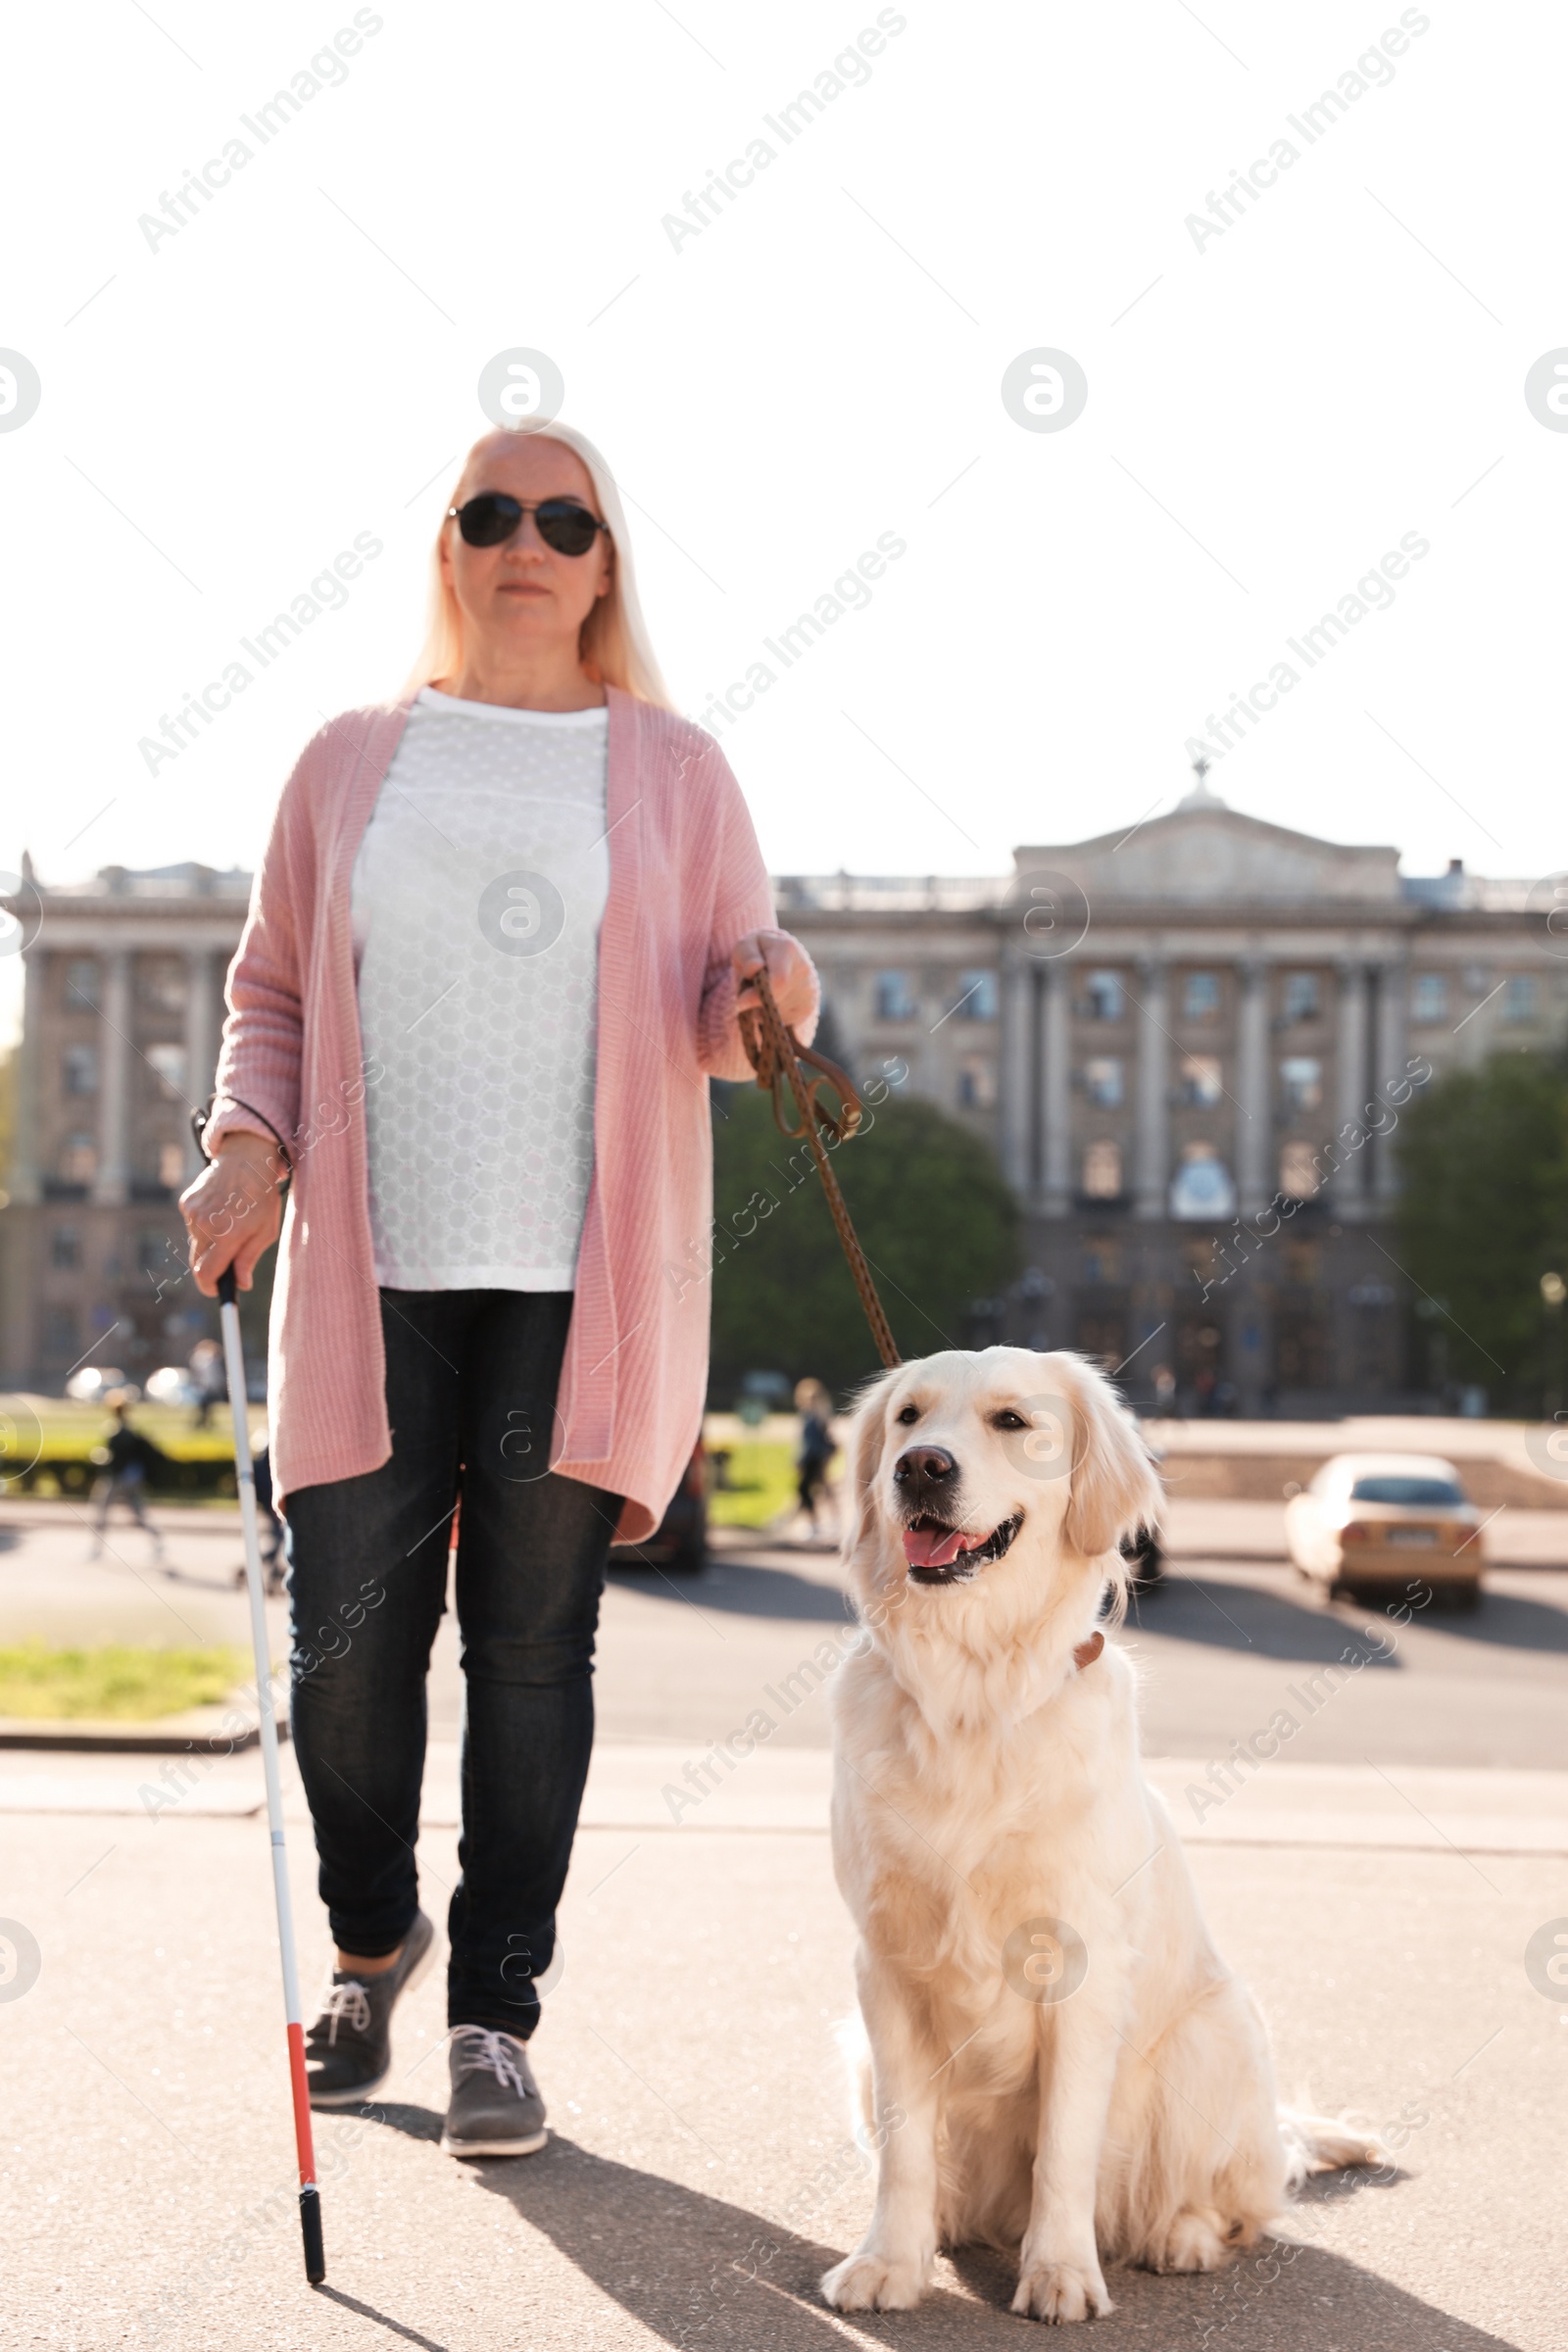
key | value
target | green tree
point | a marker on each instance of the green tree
(1483, 1215)
(937, 1222)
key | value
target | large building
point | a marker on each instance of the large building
(122, 1010)
(1161, 1033)
(1164, 1033)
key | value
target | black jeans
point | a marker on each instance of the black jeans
(471, 1390)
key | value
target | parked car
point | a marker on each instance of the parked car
(1371, 1524)
(680, 1541)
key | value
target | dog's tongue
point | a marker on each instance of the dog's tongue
(931, 1547)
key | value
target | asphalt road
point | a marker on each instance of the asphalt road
(1222, 1644)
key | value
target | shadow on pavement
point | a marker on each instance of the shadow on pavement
(1507, 1620)
(414, 2123)
(368, 2311)
(705, 2276)
(1255, 1617)
(743, 1590)
(699, 2272)
(1245, 1617)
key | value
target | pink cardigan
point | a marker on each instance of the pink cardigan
(686, 881)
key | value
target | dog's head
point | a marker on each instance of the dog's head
(997, 1465)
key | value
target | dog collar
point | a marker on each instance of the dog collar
(1088, 1651)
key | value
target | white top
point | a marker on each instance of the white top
(479, 891)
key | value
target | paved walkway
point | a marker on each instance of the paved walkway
(696, 2094)
(1378, 1882)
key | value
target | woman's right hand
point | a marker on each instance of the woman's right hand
(233, 1210)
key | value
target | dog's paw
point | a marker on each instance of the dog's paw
(1200, 2239)
(868, 2281)
(1060, 2291)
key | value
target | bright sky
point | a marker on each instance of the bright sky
(1331, 365)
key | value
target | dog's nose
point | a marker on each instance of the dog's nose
(923, 1468)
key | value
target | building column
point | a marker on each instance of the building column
(114, 1080)
(1392, 1048)
(201, 1041)
(1349, 1188)
(1152, 1148)
(26, 1174)
(1255, 1174)
(1055, 1090)
(1018, 1094)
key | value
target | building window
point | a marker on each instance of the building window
(61, 1332)
(1202, 1190)
(1102, 1171)
(1102, 1081)
(81, 984)
(1301, 1080)
(65, 1248)
(1301, 1000)
(1298, 1176)
(165, 983)
(169, 1064)
(1201, 1081)
(155, 1252)
(1201, 995)
(977, 1084)
(894, 1002)
(171, 1165)
(976, 998)
(1101, 1261)
(1429, 997)
(78, 1161)
(79, 1069)
(1519, 997)
(1102, 996)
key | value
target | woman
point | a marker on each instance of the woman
(816, 1446)
(497, 946)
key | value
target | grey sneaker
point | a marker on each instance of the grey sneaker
(496, 2109)
(348, 2052)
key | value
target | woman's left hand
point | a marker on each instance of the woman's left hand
(789, 971)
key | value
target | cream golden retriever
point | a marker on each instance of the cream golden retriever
(1058, 2060)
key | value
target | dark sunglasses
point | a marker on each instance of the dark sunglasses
(492, 516)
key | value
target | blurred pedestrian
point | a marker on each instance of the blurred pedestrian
(210, 1378)
(127, 1458)
(270, 1525)
(816, 1447)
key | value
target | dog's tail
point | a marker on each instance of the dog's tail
(1325, 2143)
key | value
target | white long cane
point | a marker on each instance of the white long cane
(309, 2192)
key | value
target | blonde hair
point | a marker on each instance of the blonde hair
(615, 645)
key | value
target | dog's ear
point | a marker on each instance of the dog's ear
(865, 1437)
(1114, 1485)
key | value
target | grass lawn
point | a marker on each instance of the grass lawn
(56, 1428)
(762, 1479)
(47, 1446)
(124, 1684)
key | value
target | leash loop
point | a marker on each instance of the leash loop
(776, 1054)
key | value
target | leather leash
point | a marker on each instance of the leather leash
(776, 1054)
